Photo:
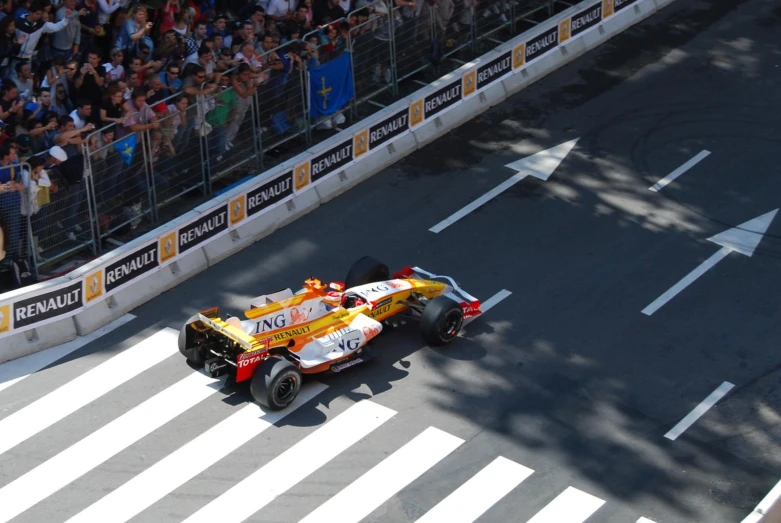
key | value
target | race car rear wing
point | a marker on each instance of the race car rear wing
(247, 342)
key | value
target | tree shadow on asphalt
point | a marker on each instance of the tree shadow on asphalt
(569, 380)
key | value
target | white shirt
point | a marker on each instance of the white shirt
(78, 123)
(281, 7)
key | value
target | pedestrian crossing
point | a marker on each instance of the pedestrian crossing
(290, 463)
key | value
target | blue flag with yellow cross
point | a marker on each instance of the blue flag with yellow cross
(330, 86)
(126, 147)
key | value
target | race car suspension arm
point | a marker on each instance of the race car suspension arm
(223, 356)
(416, 306)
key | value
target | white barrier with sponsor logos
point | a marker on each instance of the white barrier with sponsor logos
(54, 312)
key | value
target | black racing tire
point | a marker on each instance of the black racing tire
(187, 345)
(366, 270)
(441, 320)
(276, 383)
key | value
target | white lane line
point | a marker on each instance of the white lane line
(16, 370)
(188, 461)
(687, 280)
(571, 506)
(764, 506)
(494, 300)
(88, 387)
(364, 495)
(470, 501)
(490, 195)
(699, 410)
(658, 186)
(296, 463)
(109, 440)
(645, 520)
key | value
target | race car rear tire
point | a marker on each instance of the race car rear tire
(441, 320)
(187, 345)
(366, 270)
(276, 383)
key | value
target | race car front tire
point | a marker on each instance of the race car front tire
(441, 320)
(366, 270)
(187, 345)
(276, 383)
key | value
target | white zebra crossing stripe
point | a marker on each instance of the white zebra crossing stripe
(469, 501)
(296, 463)
(88, 387)
(571, 506)
(364, 495)
(15, 371)
(177, 468)
(77, 460)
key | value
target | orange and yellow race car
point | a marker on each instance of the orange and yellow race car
(322, 327)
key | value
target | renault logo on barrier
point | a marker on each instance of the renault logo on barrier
(237, 210)
(302, 176)
(361, 145)
(167, 247)
(470, 83)
(564, 31)
(519, 55)
(416, 113)
(93, 286)
(5, 318)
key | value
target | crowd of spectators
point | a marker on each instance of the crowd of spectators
(95, 71)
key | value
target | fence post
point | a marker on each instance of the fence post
(94, 222)
(203, 142)
(256, 128)
(147, 158)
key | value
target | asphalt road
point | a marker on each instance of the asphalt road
(565, 376)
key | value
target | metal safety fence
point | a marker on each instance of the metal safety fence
(165, 156)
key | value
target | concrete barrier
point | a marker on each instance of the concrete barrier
(629, 16)
(27, 342)
(303, 203)
(37, 339)
(380, 159)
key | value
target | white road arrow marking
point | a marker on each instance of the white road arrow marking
(742, 239)
(540, 165)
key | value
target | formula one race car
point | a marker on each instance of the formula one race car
(322, 328)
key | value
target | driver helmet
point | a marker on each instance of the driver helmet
(352, 300)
